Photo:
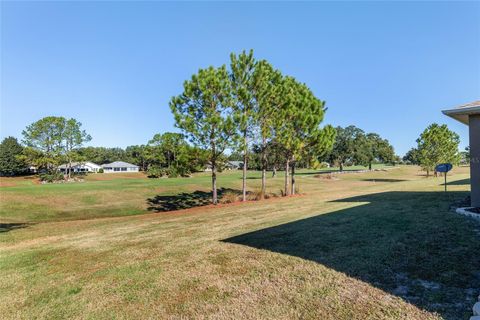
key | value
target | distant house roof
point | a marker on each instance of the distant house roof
(235, 163)
(462, 112)
(79, 164)
(119, 164)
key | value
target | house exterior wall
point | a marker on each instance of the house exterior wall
(82, 168)
(474, 125)
(119, 169)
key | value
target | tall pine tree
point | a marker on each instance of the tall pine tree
(242, 71)
(204, 112)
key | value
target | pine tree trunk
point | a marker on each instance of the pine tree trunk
(264, 170)
(341, 166)
(274, 171)
(293, 179)
(69, 169)
(244, 177)
(370, 166)
(287, 169)
(214, 183)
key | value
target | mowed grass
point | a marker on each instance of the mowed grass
(24, 199)
(379, 245)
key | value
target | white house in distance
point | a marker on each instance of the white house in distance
(119, 166)
(78, 167)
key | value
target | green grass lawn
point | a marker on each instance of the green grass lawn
(378, 245)
(110, 195)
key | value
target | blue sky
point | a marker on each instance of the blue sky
(386, 67)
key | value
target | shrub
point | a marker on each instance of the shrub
(254, 195)
(270, 195)
(229, 197)
(51, 177)
(156, 172)
(172, 172)
(100, 170)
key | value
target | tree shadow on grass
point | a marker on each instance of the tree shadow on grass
(328, 171)
(458, 182)
(405, 243)
(6, 227)
(185, 200)
(384, 180)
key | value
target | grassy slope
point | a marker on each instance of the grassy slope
(380, 245)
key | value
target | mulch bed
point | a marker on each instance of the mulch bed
(464, 203)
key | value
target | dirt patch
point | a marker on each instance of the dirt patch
(16, 181)
(326, 176)
(7, 183)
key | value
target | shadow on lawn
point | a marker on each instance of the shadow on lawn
(406, 243)
(328, 171)
(6, 227)
(384, 180)
(458, 182)
(185, 200)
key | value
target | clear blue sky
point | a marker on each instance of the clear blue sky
(386, 67)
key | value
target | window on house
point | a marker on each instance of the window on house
(116, 169)
(124, 169)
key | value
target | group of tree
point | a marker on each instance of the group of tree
(51, 141)
(355, 147)
(169, 154)
(165, 155)
(352, 146)
(251, 103)
(412, 157)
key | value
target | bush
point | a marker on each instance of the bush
(100, 170)
(254, 195)
(156, 172)
(271, 195)
(172, 172)
(51, 177)
(229, 197)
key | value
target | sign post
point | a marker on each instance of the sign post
(444, 167)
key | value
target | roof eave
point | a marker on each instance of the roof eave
(461, 114)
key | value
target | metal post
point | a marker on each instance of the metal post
(445, 182)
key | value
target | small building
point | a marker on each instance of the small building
(119, 166)
(469, 114)
(79, 167)
(234, 165)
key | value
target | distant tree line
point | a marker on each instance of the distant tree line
(351, 146)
